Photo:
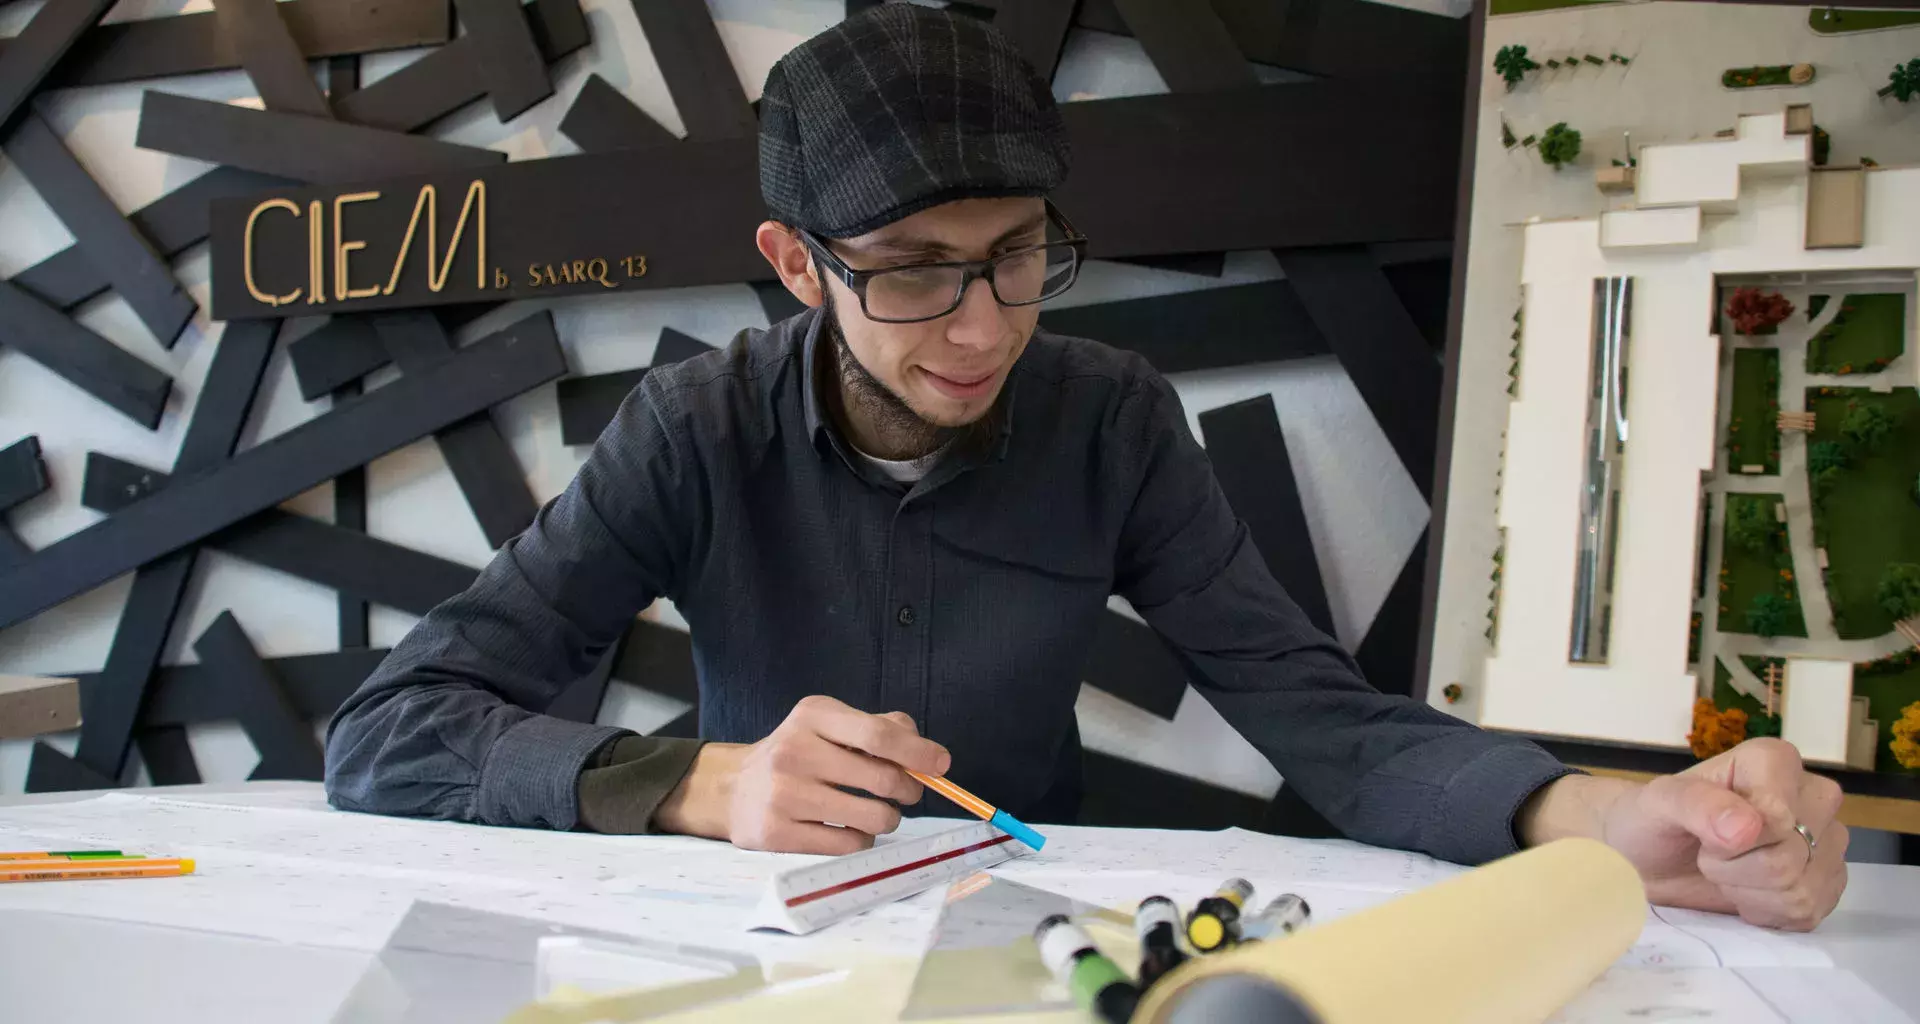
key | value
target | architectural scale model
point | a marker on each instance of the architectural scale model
(1708, 475)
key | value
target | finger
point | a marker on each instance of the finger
(1768, 772)
(1819, 803)
(1803, 905)
(840, 766)
(819, 802)
(904, 719)
(1775, 866)
(1723, 821)
(878, 735)
(811, 837)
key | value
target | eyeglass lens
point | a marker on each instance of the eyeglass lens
(1023, 278)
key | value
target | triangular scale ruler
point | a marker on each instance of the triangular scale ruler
(983, 959)
(809, 898)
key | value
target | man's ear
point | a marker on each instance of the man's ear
(790, 259)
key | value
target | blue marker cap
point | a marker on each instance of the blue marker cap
(1012, 826)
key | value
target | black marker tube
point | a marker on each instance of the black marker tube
(1157, 923)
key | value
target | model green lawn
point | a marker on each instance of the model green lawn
(1868, 518)
(1745, 574)
(1836, 22)
(1529, 6)
(1866, 334)
(1889, 685)
(1753, 429)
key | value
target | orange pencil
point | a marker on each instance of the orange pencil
(67, 870)
(994, 816)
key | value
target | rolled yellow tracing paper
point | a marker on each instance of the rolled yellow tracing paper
(1508, 943)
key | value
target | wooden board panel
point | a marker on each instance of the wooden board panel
(1334, 38)
(272, 59)
(287, 747)
(330, 554)
(1249, 455)
(168, 756)
(693, 207)
(316, 683)
(122, 254)
(1390, 649)
(706, 89)
(523, 356)
(37, 705)
(33, 53)
(483, 464)
(1038, 28)
(509, 60)
(50, 771)
(88, 361)
(219, 414)
(451, 77)
(1131, 662)
(1381, 347)
(187, 44)
(1188, 44)
(1124, 794)
(602, 118)
(173, 224)
(23, 473)
(1200, 330)
(347, 348)
(588, 404)
(291, 146)
(658, 658)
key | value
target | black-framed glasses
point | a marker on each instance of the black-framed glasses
(927, 291)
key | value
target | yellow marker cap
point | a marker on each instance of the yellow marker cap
(1205, 932)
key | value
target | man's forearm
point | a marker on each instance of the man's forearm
(1571, 805)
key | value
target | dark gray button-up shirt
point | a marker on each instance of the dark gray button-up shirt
(968, 599)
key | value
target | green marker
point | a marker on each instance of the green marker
(1098, 984)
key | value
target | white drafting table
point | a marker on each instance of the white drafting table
(57, 967)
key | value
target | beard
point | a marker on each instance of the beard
(902, 432)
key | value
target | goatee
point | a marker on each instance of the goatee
(902, 432)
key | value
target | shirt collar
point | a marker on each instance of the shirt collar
(820, 425)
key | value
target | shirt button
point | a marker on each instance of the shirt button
(906, 615)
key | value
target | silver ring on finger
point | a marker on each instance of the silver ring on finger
(1807, 834)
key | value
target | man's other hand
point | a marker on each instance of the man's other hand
(1719, 836)
(788, 792)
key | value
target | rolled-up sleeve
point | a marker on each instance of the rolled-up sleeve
(1383, 769)
(451, 725)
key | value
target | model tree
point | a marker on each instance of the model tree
(1825, 460)
(1753, 310)
(1512, 64)
(1750, 524)
(1866, 425)
(1715, 731)
(1767, 615)
(1559, 145)
(1906, 737)
(1904, 82)
(1825, 456)
(1899, 591)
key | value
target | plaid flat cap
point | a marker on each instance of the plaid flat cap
(900, 108)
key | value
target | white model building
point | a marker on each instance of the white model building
(1601, 512)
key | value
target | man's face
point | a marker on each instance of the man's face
(948, 371)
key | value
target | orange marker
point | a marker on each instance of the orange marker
(994, 816)
(67, 870)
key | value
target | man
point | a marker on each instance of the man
(894, 520)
